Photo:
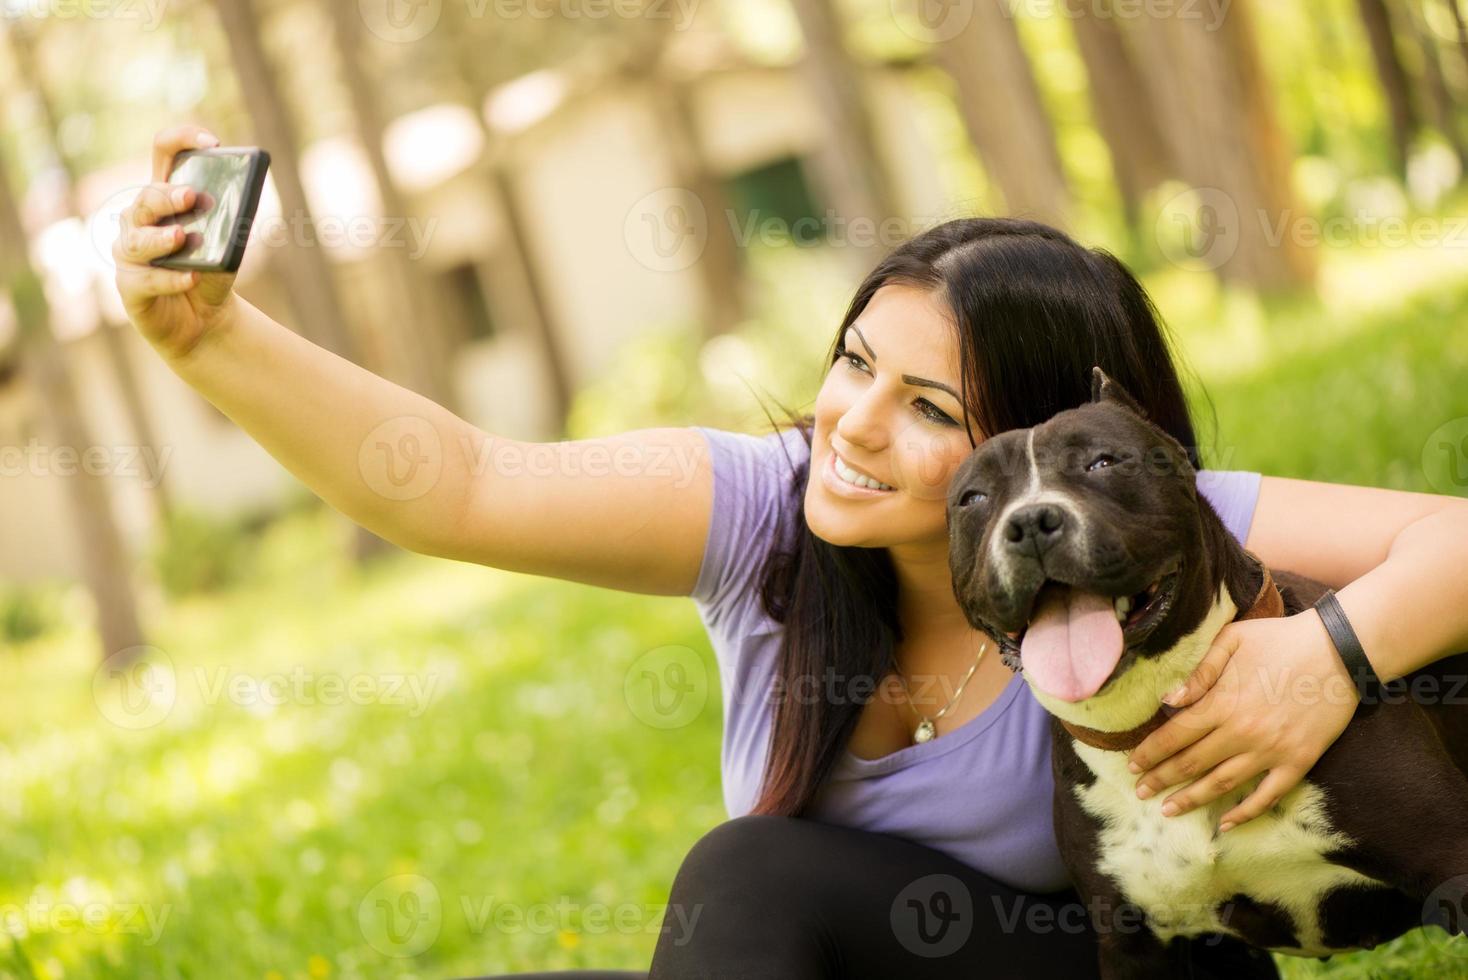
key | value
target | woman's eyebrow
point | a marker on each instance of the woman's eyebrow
(907, 378)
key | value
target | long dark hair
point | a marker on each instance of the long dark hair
(1035, 310)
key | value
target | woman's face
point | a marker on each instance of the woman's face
(889, 409)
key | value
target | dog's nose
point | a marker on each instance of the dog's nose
(1042, 524)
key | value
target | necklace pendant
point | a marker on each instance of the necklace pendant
(925, 732)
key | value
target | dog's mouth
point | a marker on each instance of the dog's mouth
(1073, 639)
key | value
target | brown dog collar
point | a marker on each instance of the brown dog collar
(1267, 604)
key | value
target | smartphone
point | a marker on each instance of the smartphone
(227, 182)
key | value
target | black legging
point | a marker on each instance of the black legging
(779, 898)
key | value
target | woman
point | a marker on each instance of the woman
(818, 559)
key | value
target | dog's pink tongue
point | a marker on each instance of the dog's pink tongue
(1072, 644)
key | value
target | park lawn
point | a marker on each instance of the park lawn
(259, 834)
(1350, 400)
(524, 806)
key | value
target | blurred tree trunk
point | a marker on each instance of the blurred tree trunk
(849, 168)
(719, 270)
(1004, 115)
(303, 265)
(1441, 107)
(1218, 116)
(498, 168)
(495, 165)
(1119, 99)
(1377, 21)
(1455, 7)
(103, 554)
(419, 335)
(22, 46)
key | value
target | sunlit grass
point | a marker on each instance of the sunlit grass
(254, 831)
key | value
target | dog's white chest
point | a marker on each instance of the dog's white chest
(1180, 872)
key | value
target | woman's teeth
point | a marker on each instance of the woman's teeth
(852, 476)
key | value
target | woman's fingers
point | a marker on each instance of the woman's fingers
(142, 282)
(156, 201)
(142, 245)
(168, 142)
(139, 237)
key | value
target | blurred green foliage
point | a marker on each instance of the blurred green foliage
(197, 551)
(29, 610)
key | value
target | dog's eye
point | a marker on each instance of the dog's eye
(1100, 462)
(970, 496)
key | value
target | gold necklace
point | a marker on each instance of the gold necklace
(926, 729)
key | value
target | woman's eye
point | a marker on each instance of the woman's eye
(1100, 462)
(852, 361)
(925, 408)
(934, 413)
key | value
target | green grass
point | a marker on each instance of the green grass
(263, 838)
(1352, 402)
(256, 832)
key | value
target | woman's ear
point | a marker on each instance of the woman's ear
(1103, 389)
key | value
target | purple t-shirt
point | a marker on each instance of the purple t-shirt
(981, 793)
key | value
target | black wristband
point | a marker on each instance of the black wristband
(1347, 644)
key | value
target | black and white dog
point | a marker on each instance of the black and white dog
(1082, 548)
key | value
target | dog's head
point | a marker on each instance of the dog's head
(1078, 545)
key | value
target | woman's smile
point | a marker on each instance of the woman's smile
(832, 476)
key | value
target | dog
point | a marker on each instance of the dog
(1083, 550)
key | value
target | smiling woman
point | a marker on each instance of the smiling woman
(975, 327)
(845, 603)
(817, 592)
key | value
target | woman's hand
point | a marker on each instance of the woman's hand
(172, 309)
(1270, 694)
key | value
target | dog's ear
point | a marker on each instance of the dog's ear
(1103, 389)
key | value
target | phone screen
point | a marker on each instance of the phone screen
(220, 185)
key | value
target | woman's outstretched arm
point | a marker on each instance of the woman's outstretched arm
(629, 511)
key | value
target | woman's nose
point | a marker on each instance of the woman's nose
(862, 424)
